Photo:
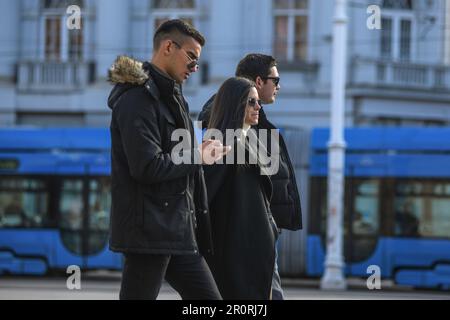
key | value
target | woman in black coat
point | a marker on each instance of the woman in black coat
(243, 229)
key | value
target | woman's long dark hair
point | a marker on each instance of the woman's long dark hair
(228, 111)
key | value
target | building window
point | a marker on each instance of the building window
(60, 43)
(52, 38)
(186, 10)
(76, 43)
(174, 4)
(163, 10)
(405, 39)
(290, 30)
(51, 119)
(386, 38)
(397, 4)
(397, 32)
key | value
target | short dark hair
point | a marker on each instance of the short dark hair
(255, 65)
(176, 29)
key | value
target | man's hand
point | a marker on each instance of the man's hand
(212, 150)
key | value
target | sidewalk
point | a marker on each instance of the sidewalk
(352, 283)
(107, 288)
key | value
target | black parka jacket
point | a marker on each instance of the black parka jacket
(285, 204)
(157, 206)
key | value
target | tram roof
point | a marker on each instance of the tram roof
(65, 139)
(388, 138)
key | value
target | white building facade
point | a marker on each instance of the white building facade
(397, 75)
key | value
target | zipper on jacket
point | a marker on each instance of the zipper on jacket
(190, 203)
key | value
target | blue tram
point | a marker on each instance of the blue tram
(397, 204)
(54, 200)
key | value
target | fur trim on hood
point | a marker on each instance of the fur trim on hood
(127, 70)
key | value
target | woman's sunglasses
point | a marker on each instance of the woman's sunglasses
(252, 102)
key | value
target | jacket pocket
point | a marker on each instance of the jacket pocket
(165, 216)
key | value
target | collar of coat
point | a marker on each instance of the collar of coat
(126, 70)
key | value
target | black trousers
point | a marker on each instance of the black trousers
(189, 275)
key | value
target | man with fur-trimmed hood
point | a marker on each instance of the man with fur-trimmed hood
(159, 216)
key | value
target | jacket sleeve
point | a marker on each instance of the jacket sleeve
(137, 120)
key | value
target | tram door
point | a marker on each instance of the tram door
(361, 222)
(84, 204)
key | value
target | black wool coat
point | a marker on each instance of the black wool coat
(243, 230)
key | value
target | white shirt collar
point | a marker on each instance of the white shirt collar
(245, 129)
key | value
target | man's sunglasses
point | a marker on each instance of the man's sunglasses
(276, 80)
(193, 63)
(252, 102)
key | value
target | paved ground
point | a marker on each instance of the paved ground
(105, 286)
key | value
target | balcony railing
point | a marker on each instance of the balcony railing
(368, 72)
(55, 77)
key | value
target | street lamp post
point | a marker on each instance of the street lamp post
(333, 278)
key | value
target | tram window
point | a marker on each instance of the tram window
(71, 211)
(406, 217)
(23, 203)
(364, 203)
(365, 216)
(361, 215)
(71, 205)
(422, 209)
(99, 204)
(440, 224)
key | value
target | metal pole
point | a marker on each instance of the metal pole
(333, 277)
(447, 33)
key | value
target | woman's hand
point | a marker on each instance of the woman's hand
(212, 150)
